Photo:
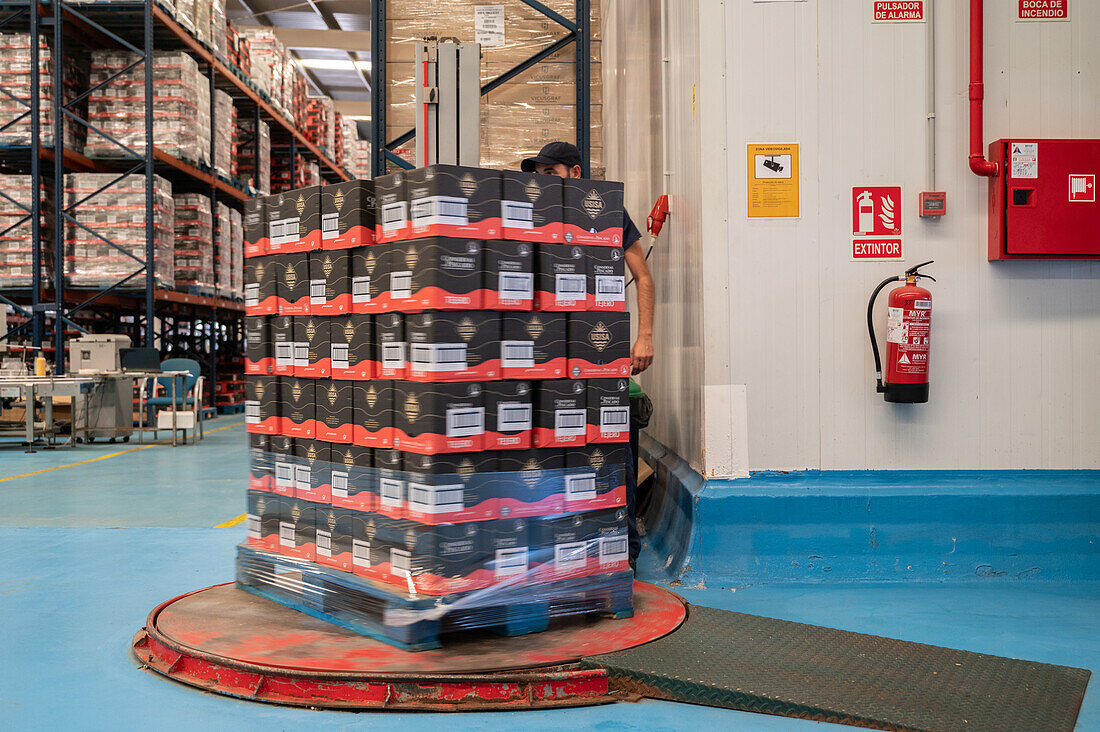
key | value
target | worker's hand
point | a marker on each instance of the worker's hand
(641, 355)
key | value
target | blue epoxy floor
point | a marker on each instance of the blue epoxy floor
(74, 591)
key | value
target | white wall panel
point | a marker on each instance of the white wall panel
(777, 304)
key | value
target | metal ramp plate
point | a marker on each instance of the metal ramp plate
(737, 661)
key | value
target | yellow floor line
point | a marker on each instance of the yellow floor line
(232, 522)
(104, 457)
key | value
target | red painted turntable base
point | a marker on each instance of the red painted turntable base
(224, 640)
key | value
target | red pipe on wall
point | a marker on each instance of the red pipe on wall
(978, 163)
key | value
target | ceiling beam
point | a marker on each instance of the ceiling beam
(263, 20)
(336, 40)
(353, 109)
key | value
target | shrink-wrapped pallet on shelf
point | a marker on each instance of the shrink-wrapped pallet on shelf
(246, 154)
(194, 243)
(16, 57)
(236, 244)
(16, 242)
(117, 214)
(225, 124)
(223, 251)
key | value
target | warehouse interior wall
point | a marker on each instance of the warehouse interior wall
(1014, 343)
(644, 133)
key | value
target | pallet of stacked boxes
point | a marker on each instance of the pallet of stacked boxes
(236, 245)
(16, 242)
(435, 447)
(194, 244)
(223, 251)
(15, 70)
(115, 212)
(181, 106)
(249, 142)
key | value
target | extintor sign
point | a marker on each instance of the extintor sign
(876, 224)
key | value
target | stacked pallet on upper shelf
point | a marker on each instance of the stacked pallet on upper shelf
(15, 77)
(437, 366)
(16, 241)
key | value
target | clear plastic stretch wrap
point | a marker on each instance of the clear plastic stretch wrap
(181, 106)
(16, 244)
(362, 167)
(117, 214)
(223, 250)
(194, 243)
(225, 114)
(185, 13)
(201, 20)
(266, 55)
(15, 75)
(320, 127)
(520, 116)
(246, 159)
(217, 27)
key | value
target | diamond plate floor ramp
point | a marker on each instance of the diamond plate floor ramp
(738, 661)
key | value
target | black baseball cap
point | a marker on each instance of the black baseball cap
(553, 153)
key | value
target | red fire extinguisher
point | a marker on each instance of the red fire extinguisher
(908, 330)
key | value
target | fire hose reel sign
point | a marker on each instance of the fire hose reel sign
(1043, 10)
(876, 224)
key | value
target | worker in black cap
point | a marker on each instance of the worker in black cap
(564, 160)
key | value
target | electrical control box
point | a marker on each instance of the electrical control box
(1042, 203)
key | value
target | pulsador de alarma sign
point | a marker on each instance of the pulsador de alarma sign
(1043, 10)
(899, 11)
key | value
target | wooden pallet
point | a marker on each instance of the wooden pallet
(417, 623)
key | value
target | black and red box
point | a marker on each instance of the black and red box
(254, 223)
(435, 274)
(298, 529)
(438, 418)
(312, 472)
(261, 285)
(561, 278)
(530, 482)
(312, 355)
(392, 215)
(367, 553)
(265, 513)
(507, 546)
(261, 405)
(335, 411)
(293, 283)
(281, 450)
(389, 467)
(354, 481)
(531, 207)
(561, 413)
(259, 355)
(592, 212)
(393, 347)
(533, 345)
(434, 559)
(581, 544)
(453, 346)
(606, 279)
(369, 268)
(347, 215)
(509, 414)
(608, 411)
(281, 330)
(451, 200)
(509, 275)
(599, 345)
(335, 533)
(330, 282)
(374, 414)
(595, 477)
(261, 470)
(352, 348)
(444, 489)
(294, 220)
(298, 407)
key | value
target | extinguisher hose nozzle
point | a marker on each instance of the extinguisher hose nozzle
(879, 387)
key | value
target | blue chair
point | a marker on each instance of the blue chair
(189, 389)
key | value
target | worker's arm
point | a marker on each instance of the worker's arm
(641, 355)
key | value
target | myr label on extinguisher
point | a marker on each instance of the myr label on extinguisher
(896, 331)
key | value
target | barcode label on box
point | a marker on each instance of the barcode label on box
(340, 353)
(570, 287)
(580, 487)
(330, 226)
(465, 421)
(301, 353)
(284, 475)
(251, 295)
(302, 478)
(510, 562)
(360, 553)
(286, 533)
(614, 419)
(440, 210)
(573, 555)
(324, 543)
(401, 284)
(252, 412)
(317, 292)
(437, 357)
(517, 354)
(614, 549)
(514, 416)
(360, 289)
(436, 498)
(284, 354)
(516, 286)
(400, 561)
(339, 484)
(569, 422)
(394, 215)
(610, 289)
(517, 214)
(393, 355)
(391, 492)
(253, 527)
